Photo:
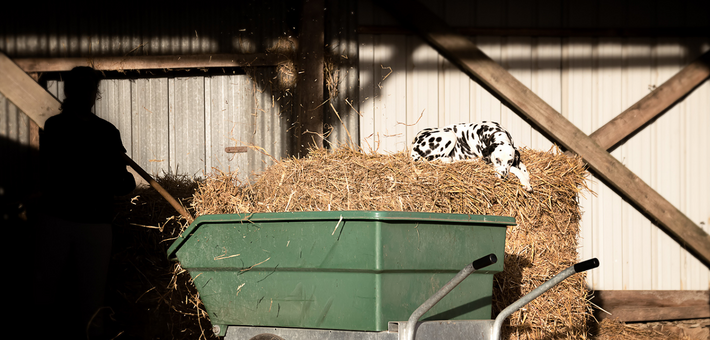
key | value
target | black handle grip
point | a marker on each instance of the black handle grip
(586, 265)
(485, 261)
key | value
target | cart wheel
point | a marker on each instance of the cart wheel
(267, 336)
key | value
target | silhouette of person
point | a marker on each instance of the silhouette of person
(82, 172)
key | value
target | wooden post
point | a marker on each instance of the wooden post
(309, 63)
(462, 52)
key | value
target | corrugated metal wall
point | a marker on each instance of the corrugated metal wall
(183, 125)
(405, 85)
(105, 29)
(172, 124)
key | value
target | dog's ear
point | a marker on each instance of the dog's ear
(516, 159)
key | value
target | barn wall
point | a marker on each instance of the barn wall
(183, 125)
(405, 85)
(169, 123)
(105, 29)
(390, 86)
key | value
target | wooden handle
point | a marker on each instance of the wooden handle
(153, 183)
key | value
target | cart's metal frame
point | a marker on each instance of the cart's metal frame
(413, 328)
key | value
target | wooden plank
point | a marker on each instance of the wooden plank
(463, 53)
(150, 62)
(549, 32)
(310, 88)
(652, 305)
(23, 91)
(34, 128)
(652, 298)
(653, 104)
(646, 314)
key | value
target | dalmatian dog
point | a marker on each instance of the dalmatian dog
(486, 140)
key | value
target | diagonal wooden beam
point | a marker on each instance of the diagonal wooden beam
(14, 84)
(653, 104)
(462, 52)
(39, 105)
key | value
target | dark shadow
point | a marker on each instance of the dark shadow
(145, 295)
(18, 182)
(506, 290)
(506, 285)
(461, 310)
(18, 188)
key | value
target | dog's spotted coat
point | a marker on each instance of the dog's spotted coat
(486, 140)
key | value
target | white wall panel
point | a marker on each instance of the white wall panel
(666, 177)
(487, 106)
(637, 228)
(547, 80)
(590, 81)
(607, 204)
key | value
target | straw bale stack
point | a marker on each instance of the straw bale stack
(542, 244)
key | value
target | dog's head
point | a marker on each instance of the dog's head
(501, 153)
(503, 157)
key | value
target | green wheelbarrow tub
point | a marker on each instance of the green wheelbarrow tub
(348, 270)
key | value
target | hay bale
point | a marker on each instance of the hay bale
(542, 244)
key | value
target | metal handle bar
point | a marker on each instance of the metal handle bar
(577, 268)
(408, 332)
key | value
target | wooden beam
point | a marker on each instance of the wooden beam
(460, 51)
(34, 128)
(311, 50)
(39, 105)
(652, 305)
(653, 104)
(550, 32)
(22, 91)
(150, 62)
